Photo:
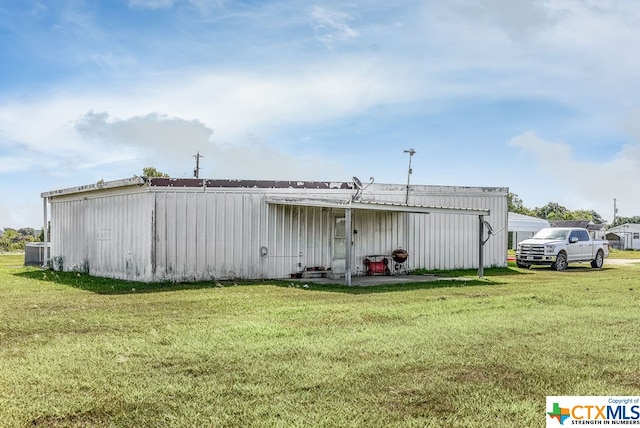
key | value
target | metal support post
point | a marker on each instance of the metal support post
(480, 246)
(348, 244)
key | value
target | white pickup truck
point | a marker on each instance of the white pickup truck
(559, 246)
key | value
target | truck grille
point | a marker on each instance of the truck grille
(532, 250)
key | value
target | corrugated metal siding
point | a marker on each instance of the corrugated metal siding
(206, 235)
(441, 241)
(283, 241)
(110, 236)
(315, 235)
(220, 234)
(378, 233)
(297, 238)
(186, 234)
(450, 241)
(68, 234)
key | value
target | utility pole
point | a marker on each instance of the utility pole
(196, 171)
(615, 211)
(411, 153)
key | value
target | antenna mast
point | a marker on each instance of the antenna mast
(411, 153)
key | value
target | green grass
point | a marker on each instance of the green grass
(624, 254)
(77, 351)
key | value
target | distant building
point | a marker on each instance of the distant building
(625, 236)
(595, 230)
(523, 227)
(162, 229)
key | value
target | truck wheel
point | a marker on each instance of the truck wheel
(561, 262)
(522, 265)
(598, 261)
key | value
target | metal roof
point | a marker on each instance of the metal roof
(100, 185)
(524, 223)
(255, 184)
(159, 182)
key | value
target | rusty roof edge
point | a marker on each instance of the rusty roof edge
(100, 185)
(160, 182)
(256, 184)
(200, 183)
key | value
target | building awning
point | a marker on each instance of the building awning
(349, 205)
(376, 206)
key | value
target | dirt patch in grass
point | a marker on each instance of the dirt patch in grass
(89, 418)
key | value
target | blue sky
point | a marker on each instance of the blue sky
(538, 96)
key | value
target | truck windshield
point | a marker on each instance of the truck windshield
(551, 234)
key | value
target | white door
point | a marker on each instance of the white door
(338, 264)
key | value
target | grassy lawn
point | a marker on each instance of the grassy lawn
(624, 254)
(80, 351)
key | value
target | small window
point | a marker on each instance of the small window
(636, 235)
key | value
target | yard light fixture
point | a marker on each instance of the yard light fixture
(411, 153)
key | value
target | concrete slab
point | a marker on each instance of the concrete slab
(364, 281)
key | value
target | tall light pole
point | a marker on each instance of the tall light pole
(411, 153)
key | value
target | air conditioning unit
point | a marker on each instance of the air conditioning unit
(34, 253)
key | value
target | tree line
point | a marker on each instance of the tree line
(15, 240)
(554, 211)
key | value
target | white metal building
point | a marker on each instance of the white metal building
(628, 236)
(523, 227)
(162, 229)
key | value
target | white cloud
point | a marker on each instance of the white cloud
(549, 156)
(631, 123)
(202, 6)
(10, 164)
(229, 101)
(332, 26)
(256, 160)
(519, 19)
(251, 73)
(163, 122)
(561, 49)
(580, 184)
(170, 142)
(151, 4)
(152, 131)
(235, 103)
